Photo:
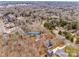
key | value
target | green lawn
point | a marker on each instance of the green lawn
(71, 51)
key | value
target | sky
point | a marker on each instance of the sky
(39, 0)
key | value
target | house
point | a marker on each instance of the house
(9, 18)
(48, 43)
(58, 51)
(50, 53)
(1, 15)
(9, 25)
(61, 53)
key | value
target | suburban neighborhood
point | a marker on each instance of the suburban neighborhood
(39, 29)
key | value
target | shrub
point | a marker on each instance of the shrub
(62, 23)
(48, 26)
(68, 35)
(72, 25)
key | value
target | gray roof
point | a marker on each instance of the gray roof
(49, 52)
(61, 53)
